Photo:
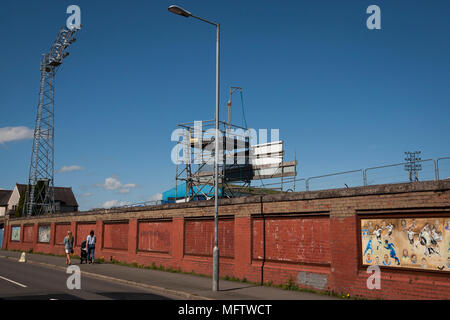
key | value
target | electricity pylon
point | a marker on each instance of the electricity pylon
(412, 166)
(39, 197)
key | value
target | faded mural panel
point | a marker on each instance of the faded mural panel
(60, 232)
(83, 230)
(15, 234)
(154, 236)
(44, 234)
(292, 239)
(28, 234)
(115, 236)
(199, 237)
(418, 243)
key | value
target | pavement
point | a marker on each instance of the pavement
(156, 284)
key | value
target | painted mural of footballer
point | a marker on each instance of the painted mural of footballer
(420, 243)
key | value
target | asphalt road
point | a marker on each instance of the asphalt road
(25, 281)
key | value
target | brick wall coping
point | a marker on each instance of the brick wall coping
(383, 189)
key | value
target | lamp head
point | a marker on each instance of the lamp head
(180, 11)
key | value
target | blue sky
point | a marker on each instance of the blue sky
(344, 97)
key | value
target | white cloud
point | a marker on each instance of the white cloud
(8, 134)
(155, 197)
(86, 195)
(115, 203)
(126, 187)
(113, 183)
(70, 168)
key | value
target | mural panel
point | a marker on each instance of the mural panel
(44, 234)
(417, 243)
(15, 234)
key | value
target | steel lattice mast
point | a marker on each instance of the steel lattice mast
(39, 197)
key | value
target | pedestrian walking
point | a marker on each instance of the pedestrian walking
(91, 239)
(68, 245)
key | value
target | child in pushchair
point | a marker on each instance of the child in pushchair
(83, 253)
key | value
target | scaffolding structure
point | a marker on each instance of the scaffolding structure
(241, 162)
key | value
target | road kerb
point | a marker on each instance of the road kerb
(185, 295)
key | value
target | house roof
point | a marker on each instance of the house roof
(4, 197)
(62, 194)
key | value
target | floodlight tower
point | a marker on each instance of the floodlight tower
(232, 90)
(39, 197)
(412, 166)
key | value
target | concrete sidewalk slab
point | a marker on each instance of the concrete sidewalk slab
(183, 285)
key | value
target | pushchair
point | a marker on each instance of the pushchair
(83, 252)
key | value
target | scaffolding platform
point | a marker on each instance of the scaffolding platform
(240, 162)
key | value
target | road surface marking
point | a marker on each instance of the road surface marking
(19, 284)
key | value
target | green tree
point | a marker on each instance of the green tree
(39, 196)
(19, 208)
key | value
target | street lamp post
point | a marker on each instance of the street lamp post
(215, 285)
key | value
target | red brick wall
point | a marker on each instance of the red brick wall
(154, 236)
(311, 238)
(115, 236)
